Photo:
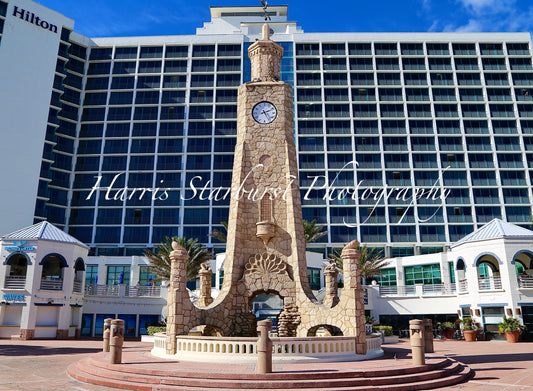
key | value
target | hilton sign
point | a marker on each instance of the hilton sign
(30, 17)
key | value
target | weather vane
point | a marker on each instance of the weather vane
(265, 9)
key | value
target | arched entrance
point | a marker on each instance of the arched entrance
(79, 274)
(52, 274)
(324, 330)
(523, 262)
(17, 268)
(267, 305)
(488, 270)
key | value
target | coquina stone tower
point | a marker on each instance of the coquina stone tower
(265, 250)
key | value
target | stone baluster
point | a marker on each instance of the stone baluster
(332, 294)
(177, 293)
(206, 274)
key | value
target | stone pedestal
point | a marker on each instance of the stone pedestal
(264, 347)
(116, 342)
(27, 334)
(106, 334)
(206, 274)
(332, 295)
(62, 334)
(416, 333)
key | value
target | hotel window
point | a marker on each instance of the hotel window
(516, 196)
(421, 127)
(97, 83)
(387, 64)
(308, 64)
(491, 49)
(338, 161)
(464, 49)
(468, 79)
(393, 127)
(455, 178)
(333, 49)
(442, 110)
(307, 49)
(487, 213)
(385, 79)
(312, 127)
(396, 161)
(422, 274)
(149, 67)
(100, 54)
(335, 79)
(414, 64)
(202, 81)
(337, 110)
(424, 160)
(440, 64)
(333, 94)
(308, 79)
(176, 51)
(494, 64)
(151, 52)
(99, 68)
(499, 94)
(419, 110)
(387, 277)
(310, 144)
(168, 82)
(361, 64)
(417, 94)
(229, 50)
(198, 162)
(360, 127)
(315, 95)
(518, 213)
(309, 110)
(125, 53)
(483, 178)
(363, 79)
(374, 234)
(203, 65)
(313, 275)
(525, 110)
(478, 160)
(518, 49)
(122, 83)
(118, 274)
(441, 79)
(203, 51)
(147, 276)
(520, 64)
(507, 143)
(415, 79)
(124, 68)
(334, 64)
(233, 80)
(471, 94)
(403, 233)
(473, 110)
(390, 94)
(386, 49)
(496, 79)
(391, 110)
(423, 143)
(359, 49)
(466, 64)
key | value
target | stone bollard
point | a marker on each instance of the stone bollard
(116, 341)
(107, 334)
(428, 336)
(264, 347)
(416, 333)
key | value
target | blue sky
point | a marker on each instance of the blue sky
(100, 18)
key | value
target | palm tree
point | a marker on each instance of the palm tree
(219, 235)
(312, 231)
(160, 258)
(371, 261)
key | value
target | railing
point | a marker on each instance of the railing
(463, 286)
(102, 290)
(138, 291)
(15, 282)
(438, 289)
(51, 284)
(526, 282)
(489, 283)
(77, 286)
(402, 290)
(245, 349)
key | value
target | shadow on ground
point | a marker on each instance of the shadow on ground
(31, 350)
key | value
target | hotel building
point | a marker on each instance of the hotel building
(406, 141)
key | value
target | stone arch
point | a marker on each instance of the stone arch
(331, 329)
(52, 274)
(11, 257)
(488, 271)
(17, 264)
(460, 268)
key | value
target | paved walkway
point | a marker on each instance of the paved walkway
(40, 365)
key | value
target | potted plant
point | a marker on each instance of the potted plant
(512, 329)
(469, 329)
(447, 329)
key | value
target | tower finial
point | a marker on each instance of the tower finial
(265, 36)
(265, 9)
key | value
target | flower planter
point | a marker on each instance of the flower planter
(470, 335)
(448, 333)
(512, 336)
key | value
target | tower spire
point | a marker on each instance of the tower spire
(265, 56)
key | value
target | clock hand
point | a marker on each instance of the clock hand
(266, 115)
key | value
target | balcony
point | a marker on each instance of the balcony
(51, 284)
(463, 286)
(490, 283)
(402, 290)
(102, 290)
(143, 291)
(15, 282)
(419, 290)
(77, 286)
(439, 289)
(525, 282)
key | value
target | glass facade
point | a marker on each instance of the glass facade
(136, 131)
(422, 274)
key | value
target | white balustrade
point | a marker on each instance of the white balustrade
(15, 282)
(237, 349)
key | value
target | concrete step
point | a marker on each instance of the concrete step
(133, 377)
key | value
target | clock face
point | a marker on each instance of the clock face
(264, 112)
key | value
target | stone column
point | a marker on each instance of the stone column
(416, 333)
(332, 295)
(116, 341)
(264, 347)
(352, 283)
(205, 285)
(106, 334)
(177, 292)
(428, 336)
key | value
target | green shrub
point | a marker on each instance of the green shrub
(387, 329)
(155, 329)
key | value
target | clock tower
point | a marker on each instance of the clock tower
(265, 248)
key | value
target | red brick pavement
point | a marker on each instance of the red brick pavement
(40, 364)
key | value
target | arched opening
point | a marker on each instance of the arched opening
(523, 262)
(79, 273)
(488, 269)
(52, 274)
(206, 330)
(462, 283)
(16, 270)
(267, 305)
(324, 330)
